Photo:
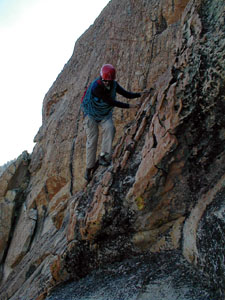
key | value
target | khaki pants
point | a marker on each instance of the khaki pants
(92, 131)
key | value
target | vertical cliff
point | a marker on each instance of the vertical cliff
(163, 192)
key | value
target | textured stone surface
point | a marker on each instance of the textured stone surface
(13, 182)
(7, 206)
(211, 243)
(21, 240)
(15, 176)
(141, 278)
(163, 192)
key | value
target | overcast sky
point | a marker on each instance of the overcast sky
(37, 40)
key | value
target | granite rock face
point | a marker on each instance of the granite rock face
(153, 277)
(13, 184)
(164, 190)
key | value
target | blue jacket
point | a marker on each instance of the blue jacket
(99, 102)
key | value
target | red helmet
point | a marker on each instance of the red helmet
(108, 72)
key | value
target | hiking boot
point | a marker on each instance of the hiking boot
(88, 174)
(103, 160)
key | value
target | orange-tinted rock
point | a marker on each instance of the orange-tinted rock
(92, 223)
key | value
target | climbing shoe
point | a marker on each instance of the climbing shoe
(88, 174)
(103, 160)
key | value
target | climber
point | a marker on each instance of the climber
(97, 106)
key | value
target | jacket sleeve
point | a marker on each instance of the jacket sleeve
(99, 91)
(125, 93)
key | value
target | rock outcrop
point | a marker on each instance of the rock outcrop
(163, 192)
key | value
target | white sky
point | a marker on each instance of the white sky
(37, 39)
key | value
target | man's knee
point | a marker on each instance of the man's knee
(108, 126)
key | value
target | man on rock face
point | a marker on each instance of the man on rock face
(97, 105)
